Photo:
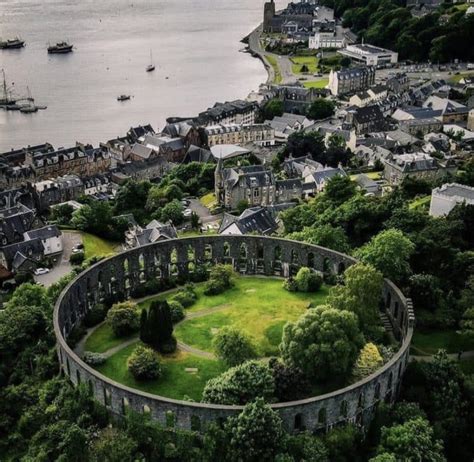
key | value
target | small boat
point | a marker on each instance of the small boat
(151, 66)
(12, 44)
(59, 48)
(29, 108)
(123, 98)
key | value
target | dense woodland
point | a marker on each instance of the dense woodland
(389, 24)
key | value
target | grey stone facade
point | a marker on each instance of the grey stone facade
(249, 255)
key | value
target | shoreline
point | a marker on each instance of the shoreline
(252, 42)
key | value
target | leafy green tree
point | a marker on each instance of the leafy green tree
(240, 385)
(145, 333)
(95, 218)
(360, 294)
(30, 295)
(322, 343)
(413, 440)
(144, 364)
(425, 291)
(113, 445)
(256, 434)
(61, 214)
(220, 279)
(304, 446)
(339, 189)
(384, 457)
(304, 143)
(131, 198)
(290, 382)
(176, 310)
(173, 211)
(123, 318)
(308, 280)
(233, 346)
(158, 329)
(368, 362)
(389, 252)
(325, 236)
(343, 443)
(242, 205)
(320, 108)
(195, 220)
(271, 109)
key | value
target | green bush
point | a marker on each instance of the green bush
(177, 311)
(95, 315)
(93, 359)
(290, 285)
(123, 318)
(186, 296)
(308, 280)
(233, 346)
(77, 258)
(144, 364)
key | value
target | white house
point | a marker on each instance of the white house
(446, 197)
(50, 236)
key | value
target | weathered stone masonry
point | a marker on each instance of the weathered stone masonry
(249, 255)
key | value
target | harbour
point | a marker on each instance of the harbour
(196, 50)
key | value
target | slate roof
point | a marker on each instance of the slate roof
(197, 154)
(418, 162)
(457, 190)
(141, 151)
(44, 233)
(14, 222)
(16, 254)
(368, 114)
(252, 220)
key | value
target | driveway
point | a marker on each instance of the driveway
(62, 265)
(202, 212)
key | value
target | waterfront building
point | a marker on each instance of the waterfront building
(259, 134)
(321, 40)
(370, 55)
(351, 80)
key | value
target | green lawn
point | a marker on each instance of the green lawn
(175, 382)
(467, 366)
(96, 246)
(458, 77)
(311, 63)
(420, 202)
(103, 338)
(316, 84)
(208, 200)
(429, 342)
(259, 306)
(276, 69)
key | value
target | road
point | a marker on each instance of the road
(62, 265)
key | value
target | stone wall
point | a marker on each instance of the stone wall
(252, 255)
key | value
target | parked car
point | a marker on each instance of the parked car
(187, 213)
(40, 271)
(76, 250)
(185, 202)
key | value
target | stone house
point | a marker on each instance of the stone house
(257, 220)
(259, 134)
(351, 80)
(446, 197)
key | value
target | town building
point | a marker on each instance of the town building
(255, 185)
(233, 112)
(14, 222)
(283, 126)
(366, 119)
(370, 55)
(370, 96)
(417, 165)
(155, 231)
(321, 40)
(446, 197)
(450, 111)
(258, 134)
(351, 80)
(50, 237)
(257, 220)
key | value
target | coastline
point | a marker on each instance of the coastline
(253, 48)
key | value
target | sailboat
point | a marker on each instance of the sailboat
(151, 66)
(6, 101)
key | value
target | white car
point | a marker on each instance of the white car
(40, 271)
(187, 213)
(77, 250)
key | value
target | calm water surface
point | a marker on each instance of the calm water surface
(195, 43)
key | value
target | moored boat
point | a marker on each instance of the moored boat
(151, 66)
(60, 47)
(12, 44)
(123, 98)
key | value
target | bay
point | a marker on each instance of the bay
(195, 44)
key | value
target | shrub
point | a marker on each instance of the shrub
(123, 318)
(369, 361)
(214, 287)
(308, 280)
(93, 359)
(290, 382)
(77, 258)
(95, 315)
(177, 311)
(156, 327)
(240, 385)
(220, 279)
(144, 364)
(233, 346)
(186, 296)
(290, 285)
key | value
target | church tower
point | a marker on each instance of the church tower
(219, 181)
(268, 13)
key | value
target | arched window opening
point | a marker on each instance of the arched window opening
(343, 409)
(195, 423)
(322, 416)
(311, 260)
(341, 268)
(298, 425)
(170, 419)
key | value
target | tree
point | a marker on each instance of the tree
(220, 279)
(157, 330)
(271, 109)
(425, 291)
(325, 236)
(256, 434)
(290, 382)
(304, 143)
(320, 109)
(123, 318)
(195, 220)
(176, 310)
(242, 205)
(131, 198)
(339, 189)
(113, 445)
(143, 364)
(233, 346)
(390, 253)
(240, 385)
(467, 323)
(95, 218)
(368, 362)
(29, 295)
(145, 333)
(345, 61)
(62, 214)
(304, 446)
(343, 443)
(413, 440)
(173, 211)
(308, 280)
(322, 343)
(360, 293)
